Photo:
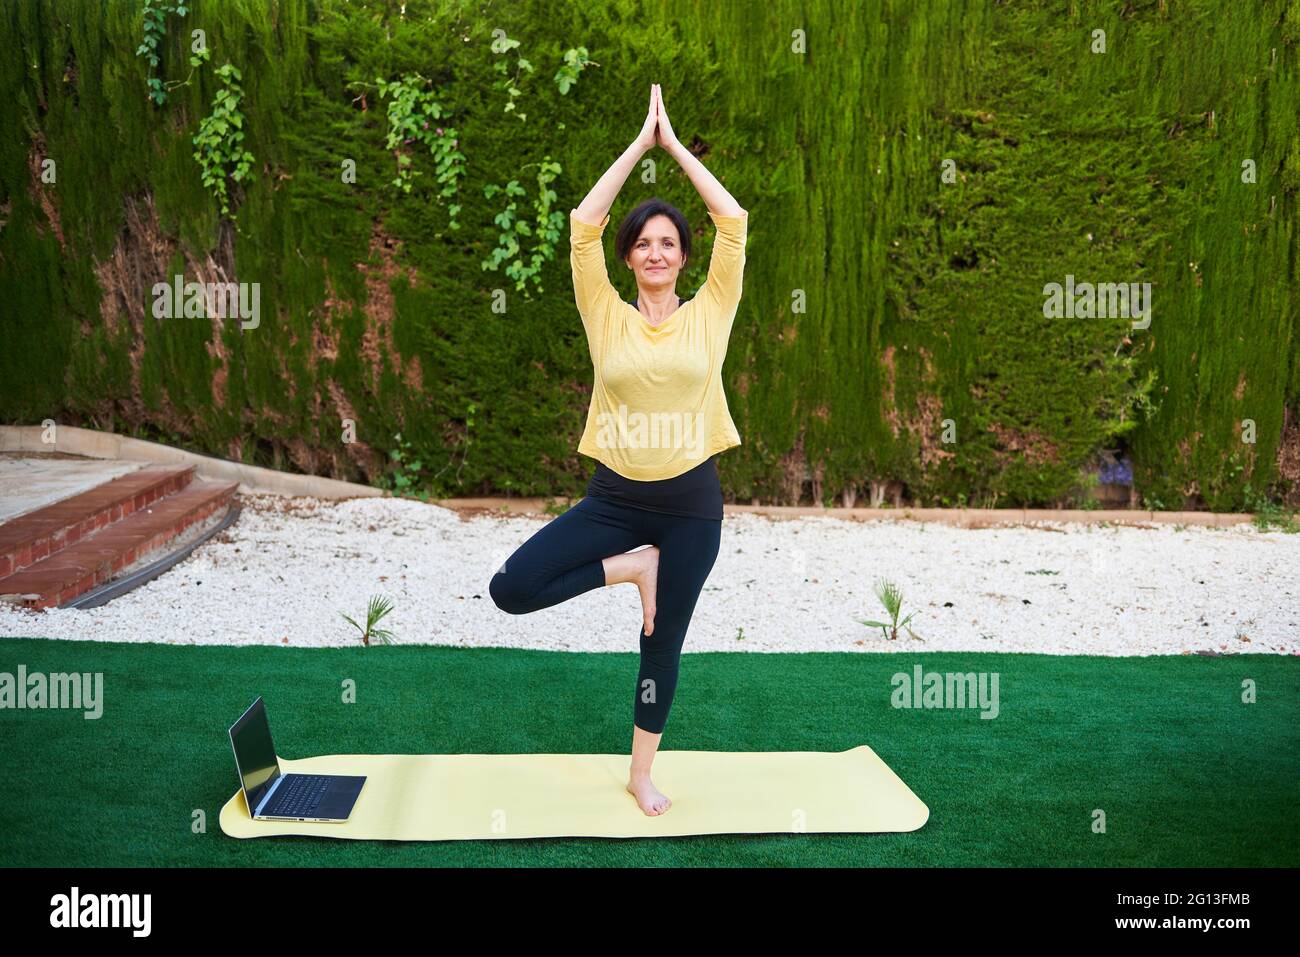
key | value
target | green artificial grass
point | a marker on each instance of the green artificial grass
(1187, 774)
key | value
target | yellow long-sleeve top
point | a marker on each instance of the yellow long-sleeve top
(657, 404)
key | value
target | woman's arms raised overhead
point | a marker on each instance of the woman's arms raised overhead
(727, 262)
(592, 289)
(600, 200)
(656, 131)
(714, 194)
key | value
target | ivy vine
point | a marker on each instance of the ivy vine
(503, 44)
(155, 31)
(219, 142)
(575, 61)
(545, 228)
(412, 115)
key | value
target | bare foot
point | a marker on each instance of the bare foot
(648, 797)
(647, 578)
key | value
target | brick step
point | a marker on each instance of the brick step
(29, 538)
(77, 568)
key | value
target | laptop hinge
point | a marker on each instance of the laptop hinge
(267, 797)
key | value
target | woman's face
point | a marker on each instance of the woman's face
(656, 256)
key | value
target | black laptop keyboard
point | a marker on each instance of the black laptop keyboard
(300, 794)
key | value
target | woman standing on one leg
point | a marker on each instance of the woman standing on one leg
(658, 418)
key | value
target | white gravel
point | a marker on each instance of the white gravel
(284, 572)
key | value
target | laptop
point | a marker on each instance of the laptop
(272, 796)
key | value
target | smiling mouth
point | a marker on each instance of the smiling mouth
(656, 269)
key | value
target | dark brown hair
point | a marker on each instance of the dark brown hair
(629, 231)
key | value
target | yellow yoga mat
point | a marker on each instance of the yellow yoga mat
(471, 797)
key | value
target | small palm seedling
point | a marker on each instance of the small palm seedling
(892, 599)
(379, 607)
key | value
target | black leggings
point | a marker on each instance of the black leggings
(563, 559)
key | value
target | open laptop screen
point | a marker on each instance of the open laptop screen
(250, 736)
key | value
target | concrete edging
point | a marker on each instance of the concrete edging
(959, 517)
(252, 479)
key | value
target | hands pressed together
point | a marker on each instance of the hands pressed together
(656, 131)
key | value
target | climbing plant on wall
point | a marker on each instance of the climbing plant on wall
(219, 142)
(544, 229)
(413, 113)
(155, 32)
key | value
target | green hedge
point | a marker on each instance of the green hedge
(884, 311)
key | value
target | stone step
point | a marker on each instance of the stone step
(30, 538)
(100, 557)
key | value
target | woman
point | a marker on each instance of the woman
(658, 415)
